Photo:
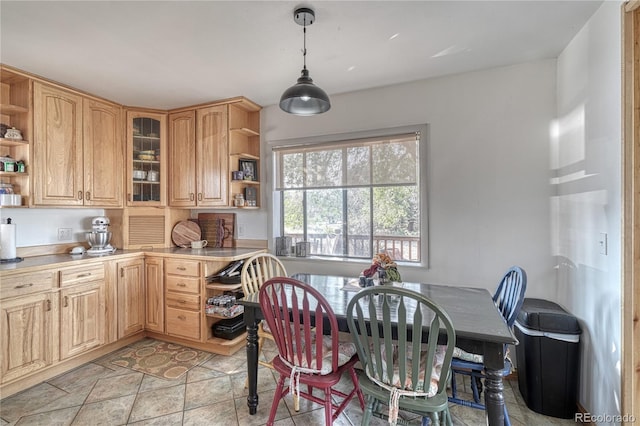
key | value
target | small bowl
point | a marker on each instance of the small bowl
(139, 174)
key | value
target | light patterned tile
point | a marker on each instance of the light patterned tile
(85, 375)
(208, 391)
(199, 373)
(221, 413)
(115, 387)
(226, 364)
(20, 404)
(170, 419)
(73, 399)
(157, 403)
(108, 412)
(63, 417)
(150, 383)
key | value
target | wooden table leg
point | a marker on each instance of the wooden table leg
(494, 397)
(252, 358)
(494, 387)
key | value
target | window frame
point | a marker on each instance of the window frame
(424, 166)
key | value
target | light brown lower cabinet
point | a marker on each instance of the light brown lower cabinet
(154, 279)
(82, 309)
(58, 317)
(131, 297)
(81, 318)
(29, 325)
(182, 298)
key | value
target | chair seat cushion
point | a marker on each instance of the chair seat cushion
(467, 356)
(471, 357)
(346, 351)
(396, 381)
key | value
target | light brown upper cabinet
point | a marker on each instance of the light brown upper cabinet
(244, 147)
(78, 149)
(198, 157)
(16, 111)
(146, 158)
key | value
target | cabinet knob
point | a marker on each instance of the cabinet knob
(66, 301)
(181, 268)
(182, 317)
(199, 196)
(129, 196)
(191, 196)
(79, 195)
(181, 285)
(88, 195)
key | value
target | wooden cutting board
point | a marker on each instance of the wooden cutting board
(209, 223)
(184, 232)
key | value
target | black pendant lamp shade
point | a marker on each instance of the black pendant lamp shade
(304, 97)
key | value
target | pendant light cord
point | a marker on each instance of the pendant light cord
(304, 45)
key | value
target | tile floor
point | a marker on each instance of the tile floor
(213, 393)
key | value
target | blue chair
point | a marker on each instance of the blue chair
(508, 298)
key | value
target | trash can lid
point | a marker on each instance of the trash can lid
(547, 316)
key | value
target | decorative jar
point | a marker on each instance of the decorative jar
(13, 133)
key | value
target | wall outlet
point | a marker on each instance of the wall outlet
(240, 230)
(65, 234)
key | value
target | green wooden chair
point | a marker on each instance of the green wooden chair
(406, 365)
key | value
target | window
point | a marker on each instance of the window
(353, 198)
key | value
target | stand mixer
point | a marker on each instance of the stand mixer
(100, 237)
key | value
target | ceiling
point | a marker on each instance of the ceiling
(169, 54)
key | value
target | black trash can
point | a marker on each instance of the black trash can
(548, 358)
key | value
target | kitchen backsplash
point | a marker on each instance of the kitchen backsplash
(35, 227)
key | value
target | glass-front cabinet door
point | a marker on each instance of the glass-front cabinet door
(146, 158)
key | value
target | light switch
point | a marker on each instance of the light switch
(603, 243)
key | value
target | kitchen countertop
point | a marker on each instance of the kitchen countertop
(64, 260)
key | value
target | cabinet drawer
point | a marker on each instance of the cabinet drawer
(189, 268)
(183, 301)
(17, 285)
(182, 284)
(183, 323)
(79, 275)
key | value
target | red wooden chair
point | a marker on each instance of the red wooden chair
(305, 330)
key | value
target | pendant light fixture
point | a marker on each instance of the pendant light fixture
(304, 97)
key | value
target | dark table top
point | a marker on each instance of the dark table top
(475, 318)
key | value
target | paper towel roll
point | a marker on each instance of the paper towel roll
(7, 241)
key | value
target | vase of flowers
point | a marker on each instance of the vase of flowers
(386, 268)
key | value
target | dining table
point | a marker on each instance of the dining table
(479, 327)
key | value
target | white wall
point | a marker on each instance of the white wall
(36, 227)
(488, 158)
(587, 166)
